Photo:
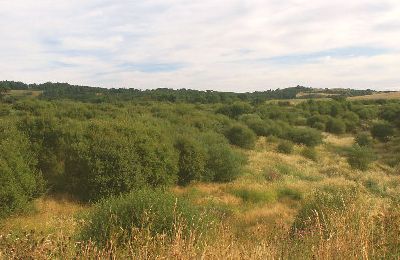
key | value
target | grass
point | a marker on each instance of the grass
(26, 93)
(52, 214)
(256, 214)
(385, 95)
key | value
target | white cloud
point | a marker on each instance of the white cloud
(218, 43)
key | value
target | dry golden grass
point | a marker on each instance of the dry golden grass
(51, 214)
(30, 93)
(344, 141)
(252, 230)
(388, 95)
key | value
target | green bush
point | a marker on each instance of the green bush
(382, 131)
(285, 147)
(320, 208)
(360, 157)
(335, 126)
(255, 123)
(306, 136)
(320, 126)
(255, 196)
(158, 211)
(223, 164)
(235, 110)
(241, 136)
(20, 182)
(310, 153)
(108, 158)
(363, 139)
(192, 160)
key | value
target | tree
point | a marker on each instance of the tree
(382, 131)
(241, 136)
(335, 126)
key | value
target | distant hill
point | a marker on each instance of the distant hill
(95, 94)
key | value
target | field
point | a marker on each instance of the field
(388, 95)
(150, 179)
(260, 208)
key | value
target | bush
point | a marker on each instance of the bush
(306, 136)
(320, 126)
(363, 139)
(310, 153)
(223, 164)
(109, 159)
(327, 202)
(158, 211)
(235, 110)
(335, 126)
(360, 157)
(241, 136)
(20, 182)
(285, 147)
(255, 123)
(192, 160)
(382, 131)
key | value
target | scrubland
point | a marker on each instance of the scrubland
(232, 180)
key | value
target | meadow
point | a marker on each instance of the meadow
(231, 177)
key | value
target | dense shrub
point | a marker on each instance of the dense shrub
(335, 126)
(306, 136)
(360, 157)
(351, 121)
(223, 164)
(235, 110)
(111, 159)
(310, 153)
(317, 121)
(322, 206)
(241, 136)
(382, 131)
(158, 211)
(258, 125)
(192, 160)
(285, 147)
(20, 182)
(363, 139)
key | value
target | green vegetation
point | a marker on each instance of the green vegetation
(285, 147)
(360, 157)
(154, 210)
(125, 173)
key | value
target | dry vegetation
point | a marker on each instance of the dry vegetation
(386, 95)
(258, 211)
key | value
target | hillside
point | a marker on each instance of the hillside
(160, 174)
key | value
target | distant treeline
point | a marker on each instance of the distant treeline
(53, 91)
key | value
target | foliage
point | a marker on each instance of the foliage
(156, 210)
(360, 157)
(285, 147)
(241, 136)
(327, 201)
(306, 136)
(382, 131)
(335, 126)
(363, 139)
(107, 160)
(20, 182)
(310, 153)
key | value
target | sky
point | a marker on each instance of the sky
(225, 45)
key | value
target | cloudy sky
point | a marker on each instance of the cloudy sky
(228, 45)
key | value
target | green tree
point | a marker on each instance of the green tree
(382, 131)
(241, 136)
